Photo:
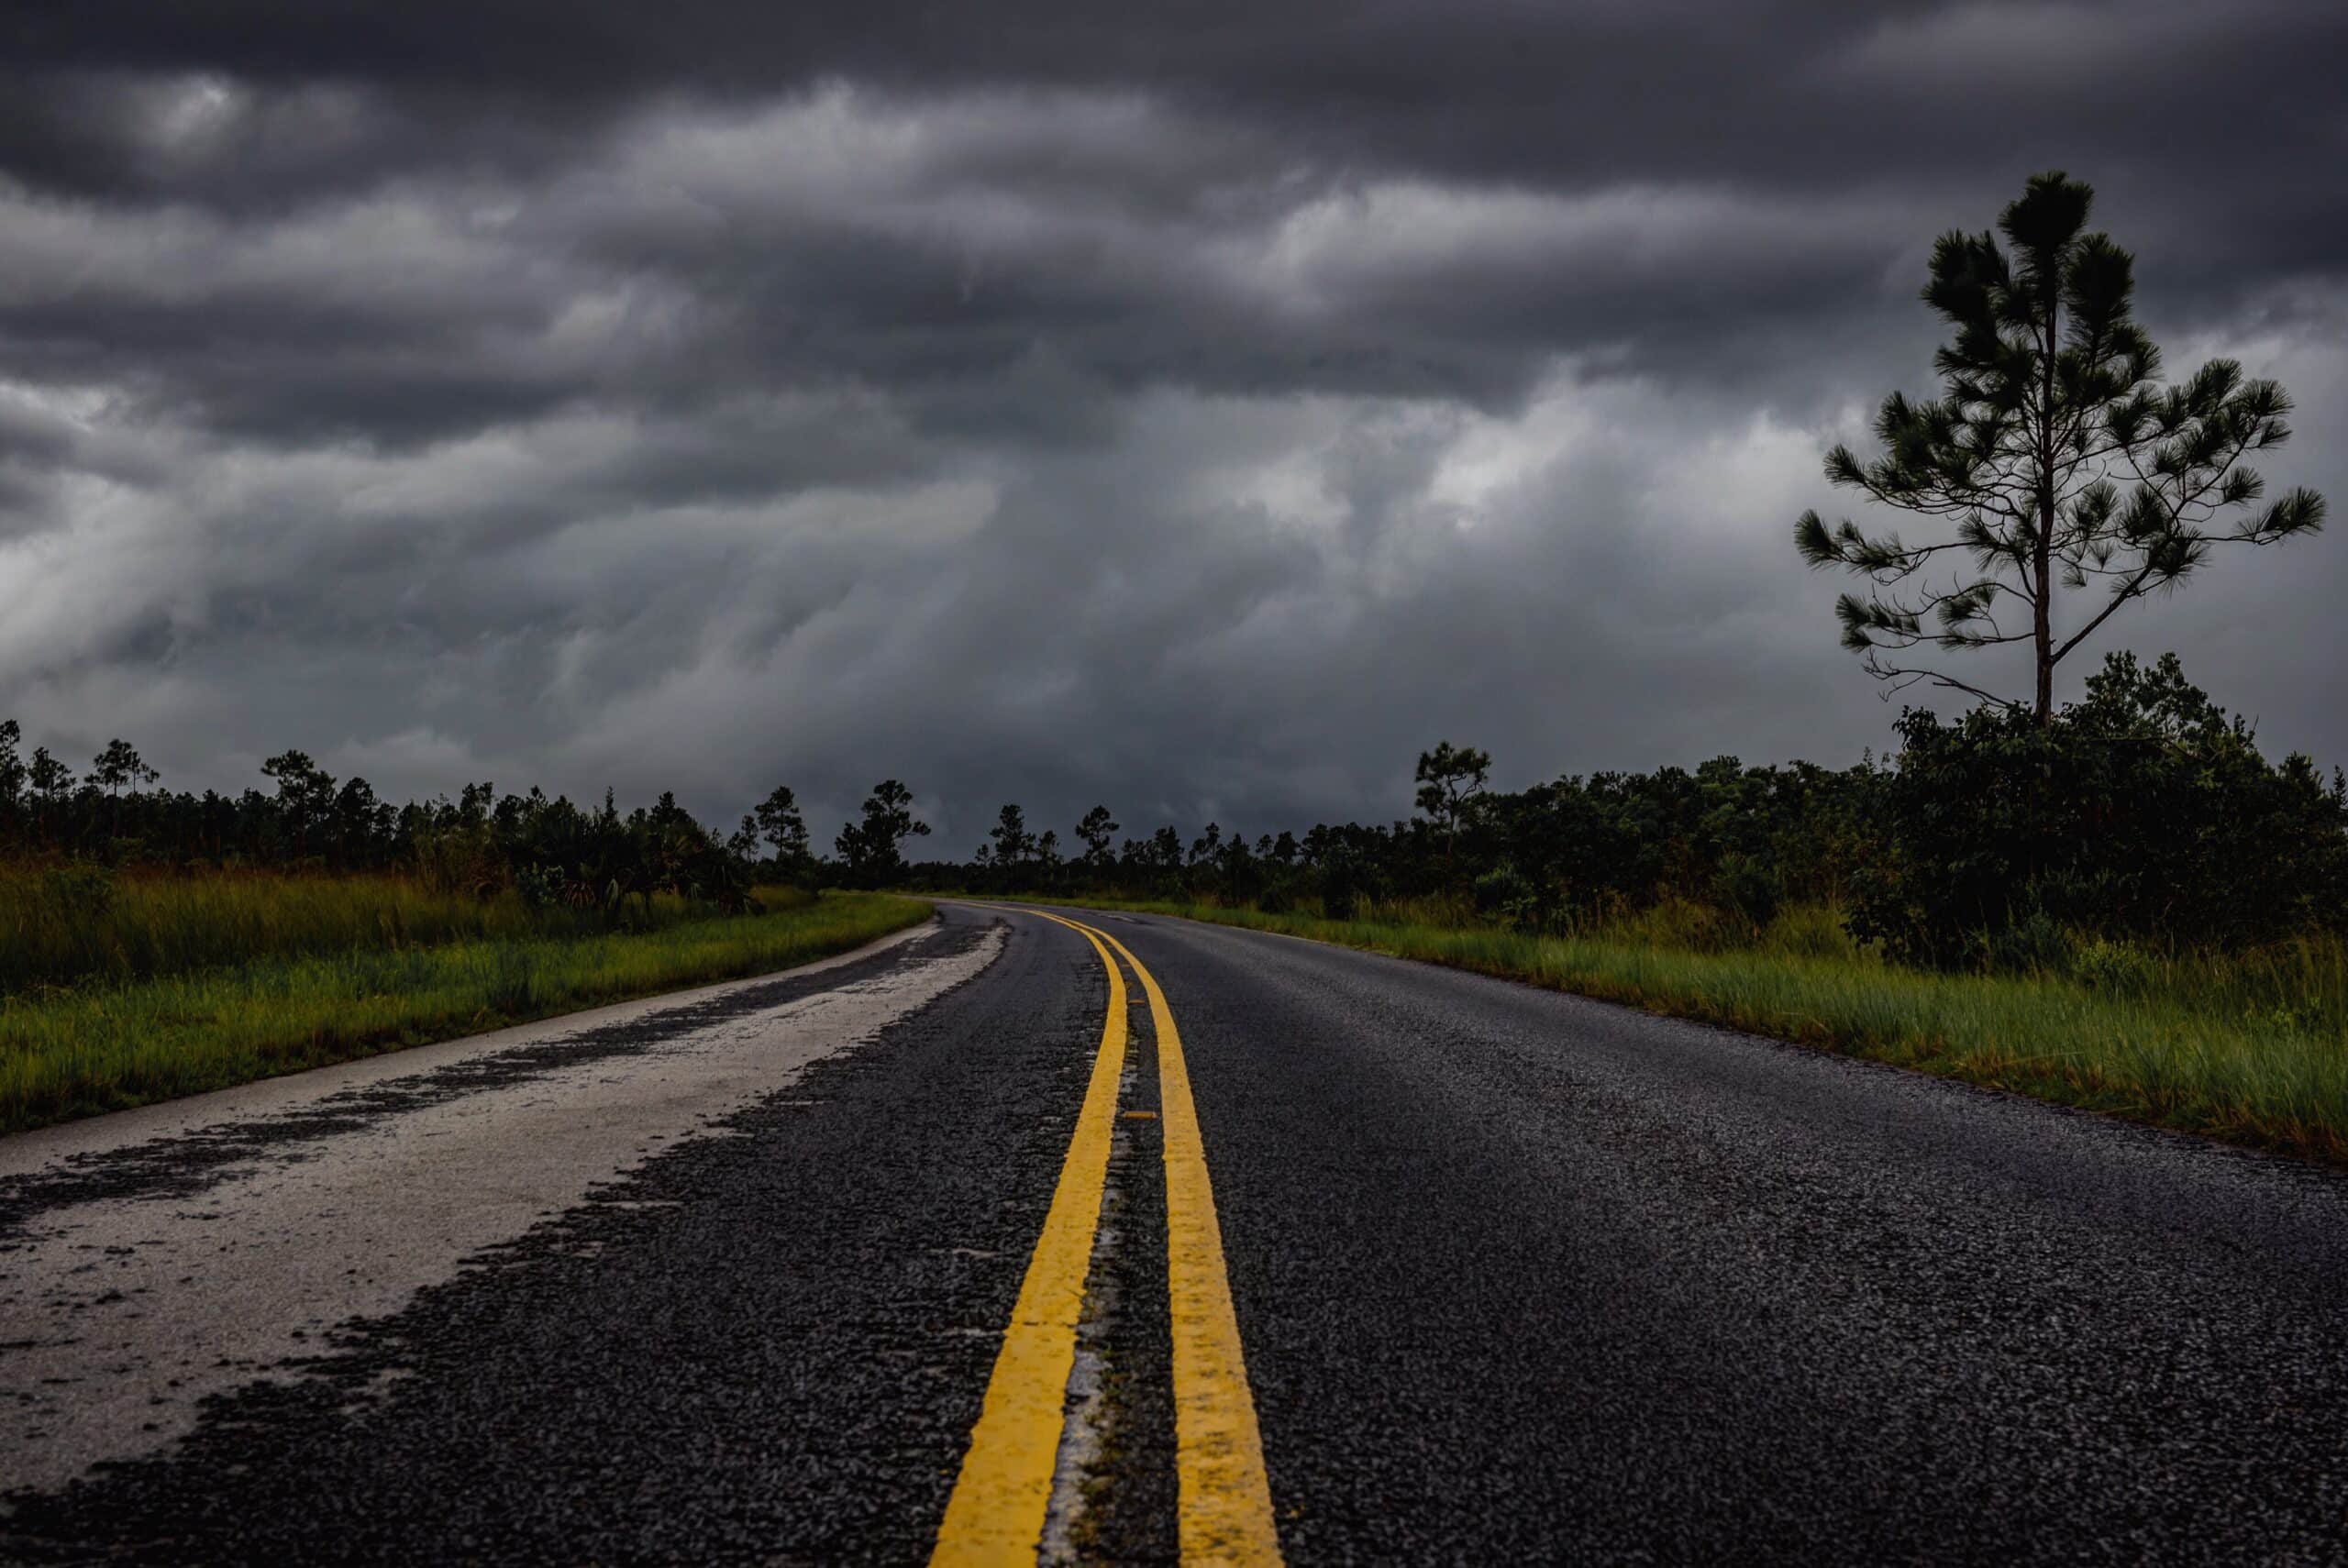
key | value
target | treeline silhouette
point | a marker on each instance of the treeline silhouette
(2142, 813)
(554, 853)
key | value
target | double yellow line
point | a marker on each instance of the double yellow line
(1224, 1501)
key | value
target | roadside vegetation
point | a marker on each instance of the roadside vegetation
(155, 943)
(105, 1043)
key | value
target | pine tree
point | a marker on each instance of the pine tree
(1451, 779)
(50, 779)
(1098, 829)
(2061, 462)
(780, 824)
(11, 772)
(305, 794)
(121, 764)
(872, 850)
(1013, 843)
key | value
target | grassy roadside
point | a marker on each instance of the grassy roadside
(71, 926)
(2193, 1049)
(105, 1046)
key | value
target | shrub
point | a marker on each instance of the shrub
(1810, 930)
(2035, 945)
(1502, 892)
(77, 892)
(1749, 888)
(542, 887)
(2119, 967)
(2142, 813)
(1679, 924)
(1341, 889)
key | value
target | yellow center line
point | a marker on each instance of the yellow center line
(996, 1514)
(1224, 1499)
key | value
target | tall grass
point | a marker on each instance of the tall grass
(2252, 1046)
(105, 1044)
(68, 924)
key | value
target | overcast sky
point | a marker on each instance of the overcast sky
(1066, 403)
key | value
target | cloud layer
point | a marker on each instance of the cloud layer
(1060, 405)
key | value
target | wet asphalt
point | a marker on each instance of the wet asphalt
(1524, 1277)
(763, 1347)
(1519, 1277)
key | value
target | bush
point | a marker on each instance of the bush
(1503, 893)
(1809, 931)
(1341, 889)
(2035, 945)
(542, 887)
(2121, 968)
(77, 892)
(2142, 813)
(1681, 925)
(1748, 888)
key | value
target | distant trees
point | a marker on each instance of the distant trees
(2142, 813)
(1150, 866)
(1096, 832)
(779, 823)
(120, 764)
(358, 821)
(872, 849)
(1011, 842)
(11, 772)
(2054, 456)
(306, 795)
(1164, 851)
(49, 777)
(1450, 780)
(553, 853)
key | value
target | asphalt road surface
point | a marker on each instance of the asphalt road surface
(1158, 1242)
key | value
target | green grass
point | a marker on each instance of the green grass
(104, 1044)
(2249, 1047)
(70, 924)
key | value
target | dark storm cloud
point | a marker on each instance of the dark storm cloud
(1198, 408)
(1785, 94)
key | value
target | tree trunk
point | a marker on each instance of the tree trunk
(2042, 563)
(2043, 628)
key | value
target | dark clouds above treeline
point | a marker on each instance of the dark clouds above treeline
(1194, 408)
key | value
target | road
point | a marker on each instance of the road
(1158, 1242)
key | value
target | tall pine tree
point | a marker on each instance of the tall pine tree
(2060, 461)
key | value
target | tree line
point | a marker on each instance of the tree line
(551, 850)
(2141, 812)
